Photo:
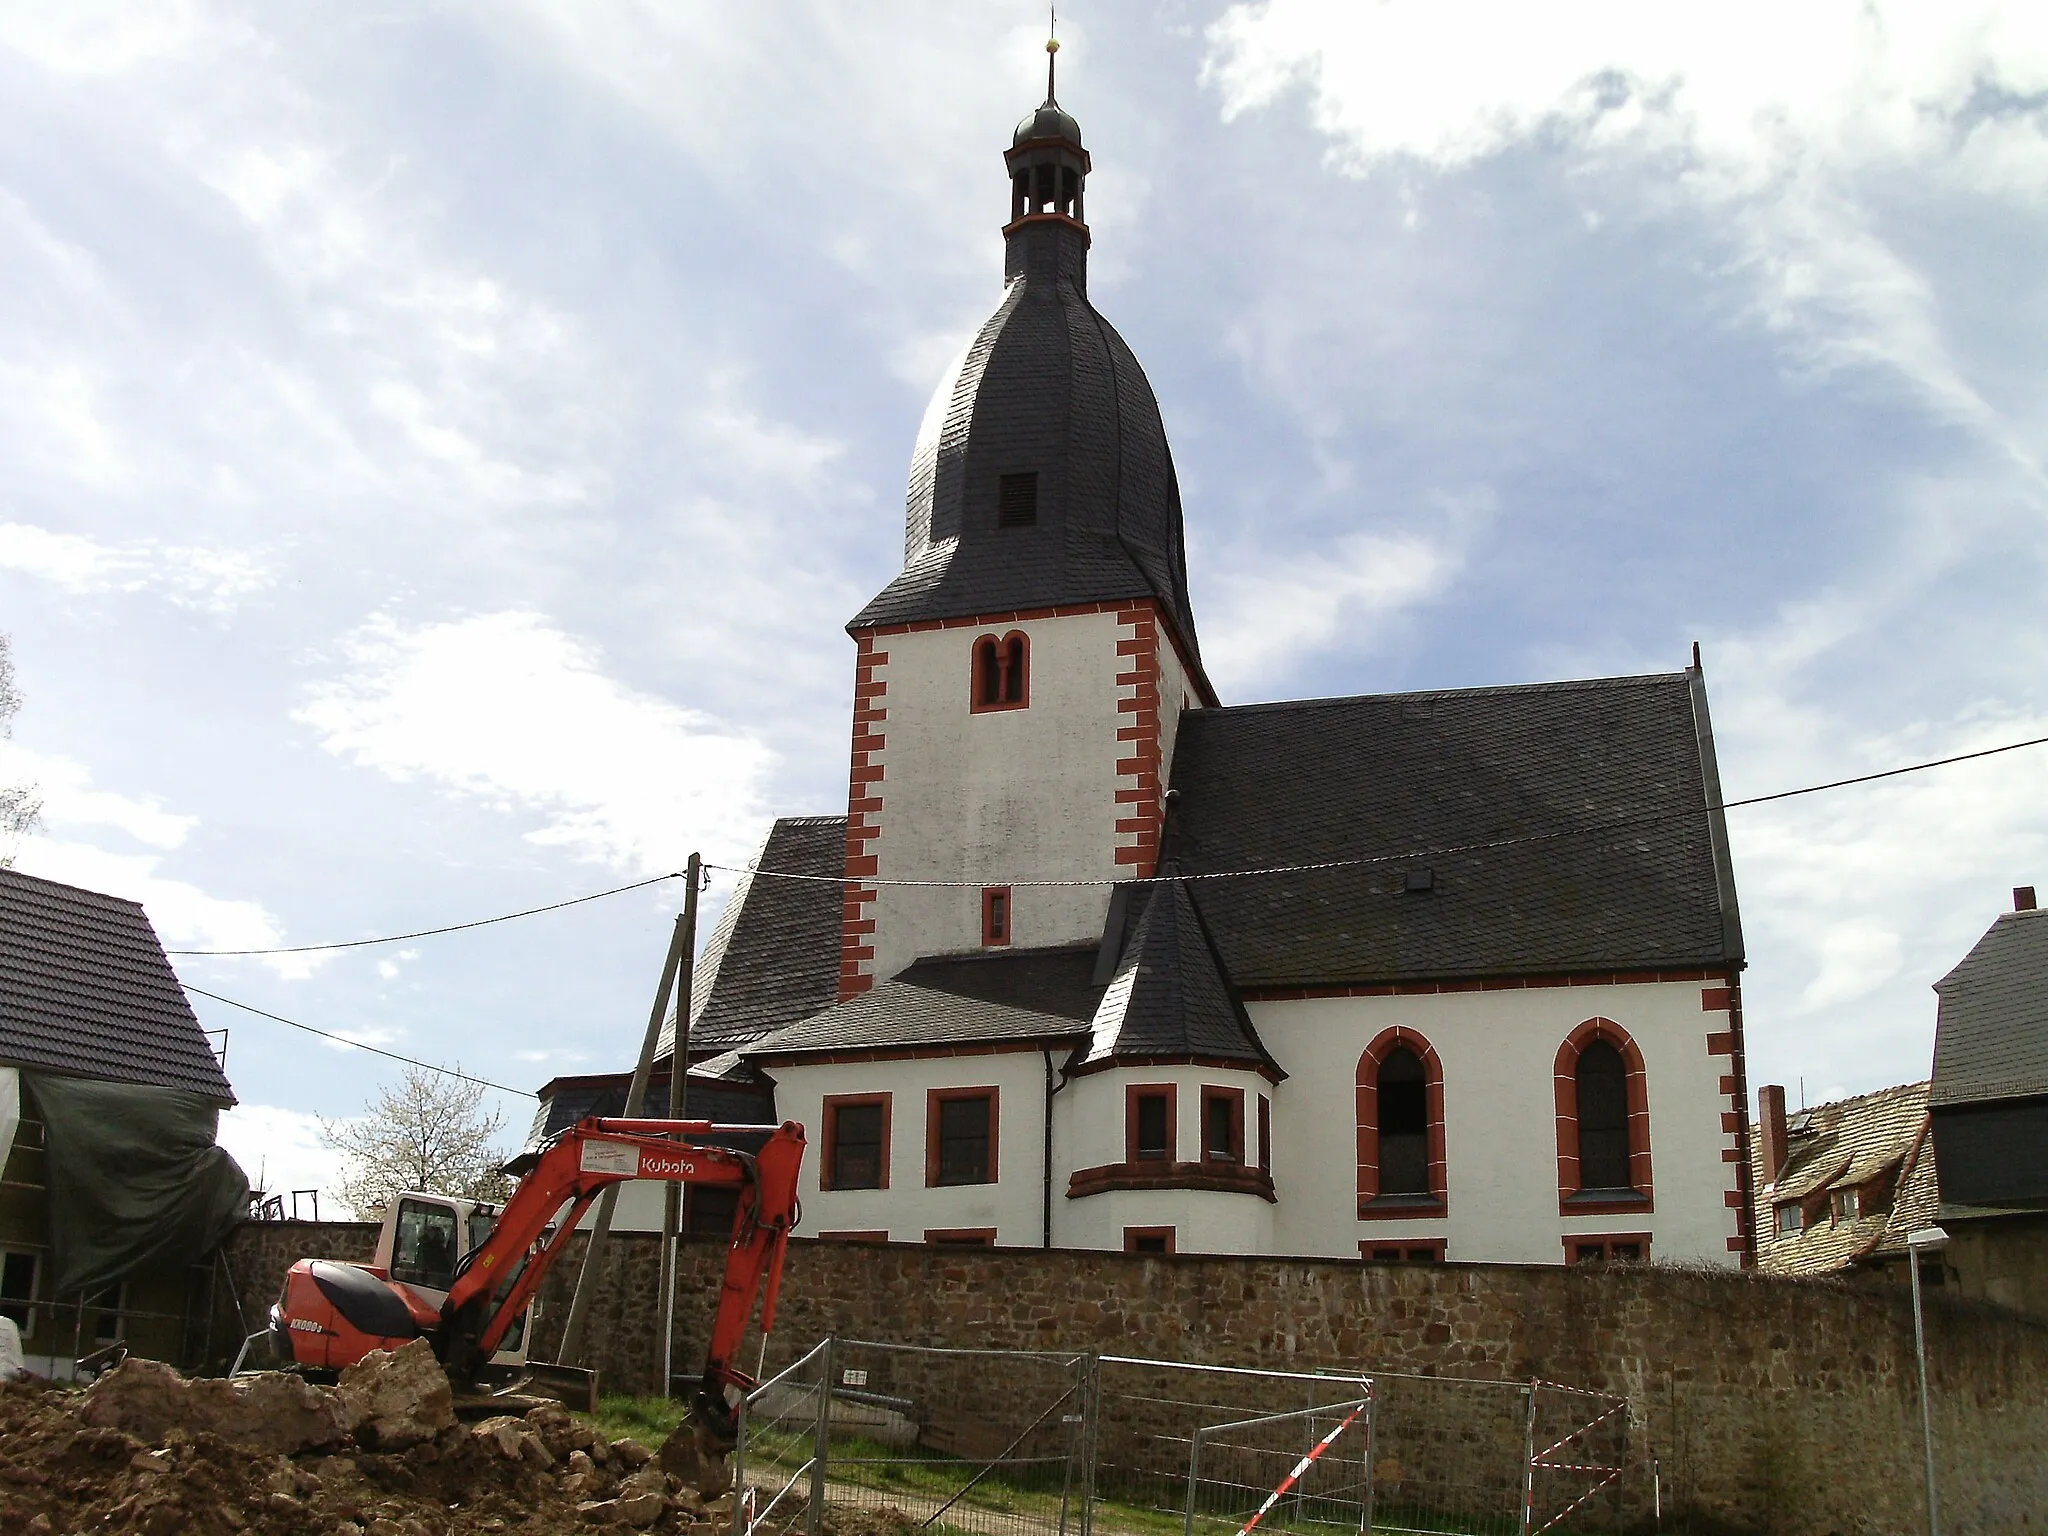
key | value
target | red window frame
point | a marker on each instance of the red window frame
(1402, 1250)
(1133, 1234)
(1575, 1244)
(934, 1097)
(999, 673)
(998, 916)
(1371, 1205)
(960, 1237)
(1235, 1096)
(1565, 1083)
(828, 1164)
(1265, 1133)
(1171, 1093)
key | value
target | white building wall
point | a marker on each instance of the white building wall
(1176, 693)
(1499, 1053)
(996, 797)
(908, 1208)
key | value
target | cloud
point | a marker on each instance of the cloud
(280, 1150)
(184, 915)
(509, 710)
(1273, 615)
(70, 800)
(212, 580)
(1792, 127)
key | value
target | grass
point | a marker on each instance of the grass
(646, 1419)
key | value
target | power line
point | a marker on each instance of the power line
(375, 1050)
(1229, 874)
(1888, 773)
(428, 933)
(1622, 825)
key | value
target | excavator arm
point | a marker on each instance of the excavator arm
(505, 1270)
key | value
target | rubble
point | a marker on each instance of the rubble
(397, 1398)
(146, 1451)
(270, 1411)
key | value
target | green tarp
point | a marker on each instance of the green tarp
(134, 1176)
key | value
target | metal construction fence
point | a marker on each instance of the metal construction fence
(1045, 1443)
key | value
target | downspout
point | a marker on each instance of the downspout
(1045, 1164)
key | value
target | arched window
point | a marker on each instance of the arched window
(1400, 1128)
(1002, 672)
(1603, 1121)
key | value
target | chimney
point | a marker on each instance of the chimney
(2023, 898)
(1770, 1119)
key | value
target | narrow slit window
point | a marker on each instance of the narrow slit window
(1017, 500)
(995, 916)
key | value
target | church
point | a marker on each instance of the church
(1097, 960)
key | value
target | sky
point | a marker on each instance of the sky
(441, 445)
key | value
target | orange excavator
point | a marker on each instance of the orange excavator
(332, 1314)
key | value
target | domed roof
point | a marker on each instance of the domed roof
(1048, 389)
(1050, 121)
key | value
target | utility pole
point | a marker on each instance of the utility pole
(636, 1097)
(678, 1108)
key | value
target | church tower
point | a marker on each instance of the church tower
(1018, 685)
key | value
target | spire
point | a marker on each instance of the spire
(1052, 53)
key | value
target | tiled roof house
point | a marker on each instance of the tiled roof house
(109, 1097)
(1840, 1185)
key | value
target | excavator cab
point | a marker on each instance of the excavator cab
(427, 1241)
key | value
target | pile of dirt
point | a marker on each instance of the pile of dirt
(121, 1460)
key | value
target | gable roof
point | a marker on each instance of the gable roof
(86, 991)
(1561, 827)
(998, 997)
(1168, 997)
(1991, 1025)
(774, 956)
(1841, 1145)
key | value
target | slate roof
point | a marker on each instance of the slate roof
(1991, 1025)
(1578, 812)
(1047, 386)
(774, 956)
(1168, 996)
(1837, 1146)
(566, 1100)
(86, 991)
(981, 999)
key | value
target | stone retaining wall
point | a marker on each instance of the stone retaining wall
(1766, 1405)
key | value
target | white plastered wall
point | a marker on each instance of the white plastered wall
(1175, 693)
(996, 797)
(907, 1209)
(1499, 1052)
